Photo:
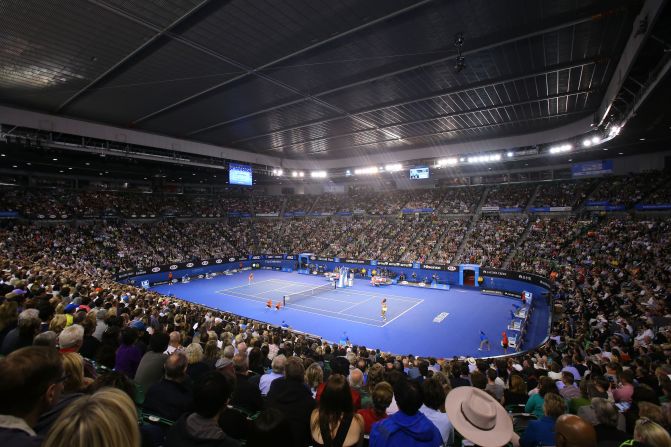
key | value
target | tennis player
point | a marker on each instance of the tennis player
(269, 304)
(484, 341)
(278, 305)
(384, 309)
(251, 278)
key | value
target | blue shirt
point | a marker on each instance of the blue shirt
(483, 336)
(402, 430)
(540, 432)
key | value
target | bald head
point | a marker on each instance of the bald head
(574, 431)
(175, 366)
(356, 378)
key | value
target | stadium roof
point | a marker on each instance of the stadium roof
(324, 80)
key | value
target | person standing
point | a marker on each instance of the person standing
(384, 309)
(484, 341)
(504, 342)
(250, 278)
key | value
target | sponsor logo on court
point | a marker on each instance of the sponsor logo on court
(218, 261)
(156, 269)
(190, 264)
(440, 317)
(173, 267)
(205, 263)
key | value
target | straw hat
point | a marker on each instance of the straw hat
(478, 417)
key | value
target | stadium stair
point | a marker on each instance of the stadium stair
(520, 240)
(476, 217)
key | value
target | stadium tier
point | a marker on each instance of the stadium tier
(329, 223)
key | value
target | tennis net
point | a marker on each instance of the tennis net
(292, 298)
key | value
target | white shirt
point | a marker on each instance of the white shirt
(266, 380)
(442, 423)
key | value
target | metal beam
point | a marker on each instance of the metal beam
(438, 94)
(254, 71)
(559, 115)
(645, 18)
(440, 117)
(130, 55)
(492, 42)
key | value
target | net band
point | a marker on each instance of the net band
(292, 298)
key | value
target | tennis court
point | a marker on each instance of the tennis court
(345, 304)
(424, 321)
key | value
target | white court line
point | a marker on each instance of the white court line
(353, 292)
(356, 304)
(408, 309)
(383, 295)
(295, 306)
(244, 285)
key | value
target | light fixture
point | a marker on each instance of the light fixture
(294, 174)
(393, 167)
(596, 140)
(278, 172)
(348, 172)
(640, 139)
(318, 174)
(301, 174)
(510, 154)
(586, 143)
(55, 159)
(561, 149)
(446, 162)
(366, 171)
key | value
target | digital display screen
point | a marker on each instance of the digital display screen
(239, 174)
(420, 172)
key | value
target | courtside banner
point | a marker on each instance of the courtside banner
(500, 293)
(448, 268)
(509, 274)
(179, 266)
(394, 264)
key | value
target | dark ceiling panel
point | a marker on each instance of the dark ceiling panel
(255, 33)
(49, 50)
(336, 78)
(158, 12)
(153, 82)
(239, 98)
(281, 118)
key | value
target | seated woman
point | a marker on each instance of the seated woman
(334, 422)
(542, 431)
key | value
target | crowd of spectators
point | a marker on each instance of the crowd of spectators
(461, 200)
(492, 239)
(628, 190)
(453, 235)
(510, 196)
(267, 204)
(562, 193)
(86, 358)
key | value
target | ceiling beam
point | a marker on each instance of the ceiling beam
(487, 43)
(248, 71)
(130, 55)
(483, 126)
(446, 92)
(441, 117)
(641, 29)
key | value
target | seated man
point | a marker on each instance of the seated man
(408, 426)
(171, 397)
(201, 428)
(574, 431)
(32, 381)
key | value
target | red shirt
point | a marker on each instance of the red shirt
(356, 397)
(369, 418)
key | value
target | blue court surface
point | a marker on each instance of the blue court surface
(356, 312)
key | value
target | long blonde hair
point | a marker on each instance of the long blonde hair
(651, 433)
(104, 419)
